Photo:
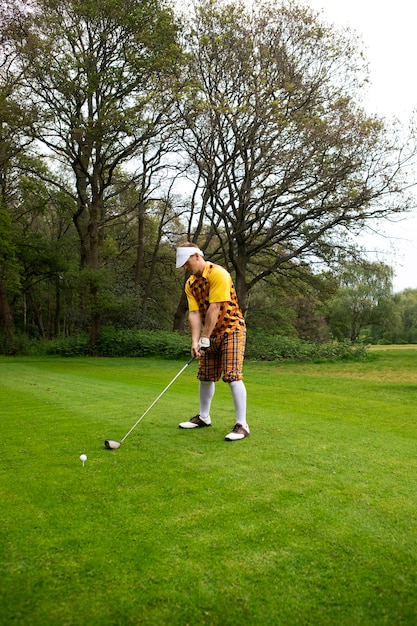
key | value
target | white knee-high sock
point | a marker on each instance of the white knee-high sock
(207, 389)
(239, 398)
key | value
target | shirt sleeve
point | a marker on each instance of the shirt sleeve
(220, 285)
(192, 302)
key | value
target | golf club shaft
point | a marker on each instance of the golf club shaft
(156, 399)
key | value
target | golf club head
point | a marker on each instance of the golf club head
(111, 444)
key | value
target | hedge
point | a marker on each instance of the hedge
(261, 346)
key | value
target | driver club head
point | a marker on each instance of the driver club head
(111, 444)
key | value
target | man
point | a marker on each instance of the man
(218, 336)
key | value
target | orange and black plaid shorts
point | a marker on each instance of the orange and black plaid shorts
(226, 354)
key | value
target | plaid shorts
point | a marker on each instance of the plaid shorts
(226, 354)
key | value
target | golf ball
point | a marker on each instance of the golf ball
(83, 457)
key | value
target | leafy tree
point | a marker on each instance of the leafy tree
(408, 308)
(43, 237)
(146, 301)
(100, 75)
(291, 307)
(15, 119)
(287, 162)
(364, 289)
(9, 278)
(402, 325)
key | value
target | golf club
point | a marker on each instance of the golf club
(111, 444)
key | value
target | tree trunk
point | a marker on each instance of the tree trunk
(180, 313)
(6, 321)
(93, 264)
(240, 281)
(140, 245)
(148, 287)
(57, 311)
(38, 316)
(241, 291)
(86, 222)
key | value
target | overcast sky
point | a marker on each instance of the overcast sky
(390, 45)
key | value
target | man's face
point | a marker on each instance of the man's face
(193, 264)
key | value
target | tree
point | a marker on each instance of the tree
(46, 244)
(15, 120)
(402, 325)
(408, 308)
(100, 75)
(287, 162)
(364, 289)
(9, 279)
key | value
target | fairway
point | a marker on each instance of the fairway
(310, 521)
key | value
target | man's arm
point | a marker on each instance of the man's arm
(212, 316)
(194, 319)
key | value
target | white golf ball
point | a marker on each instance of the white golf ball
(83, 457)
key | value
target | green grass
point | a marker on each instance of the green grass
(310, 521)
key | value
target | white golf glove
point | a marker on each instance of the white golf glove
(204, 344)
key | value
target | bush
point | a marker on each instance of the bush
(266, 347)
(79, 345)
(136, 343)
(261, 346)
(115, 343)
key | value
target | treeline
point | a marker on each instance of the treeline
(128, 127)
(307, 322)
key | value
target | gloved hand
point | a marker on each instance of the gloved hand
(204, 344)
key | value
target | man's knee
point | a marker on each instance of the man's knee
(231, 377)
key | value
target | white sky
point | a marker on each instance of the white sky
(390, 45)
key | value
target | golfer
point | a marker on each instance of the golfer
(218, 335)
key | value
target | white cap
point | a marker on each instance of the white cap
(184, 253)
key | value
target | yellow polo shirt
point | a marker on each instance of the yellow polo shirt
(215, 285)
